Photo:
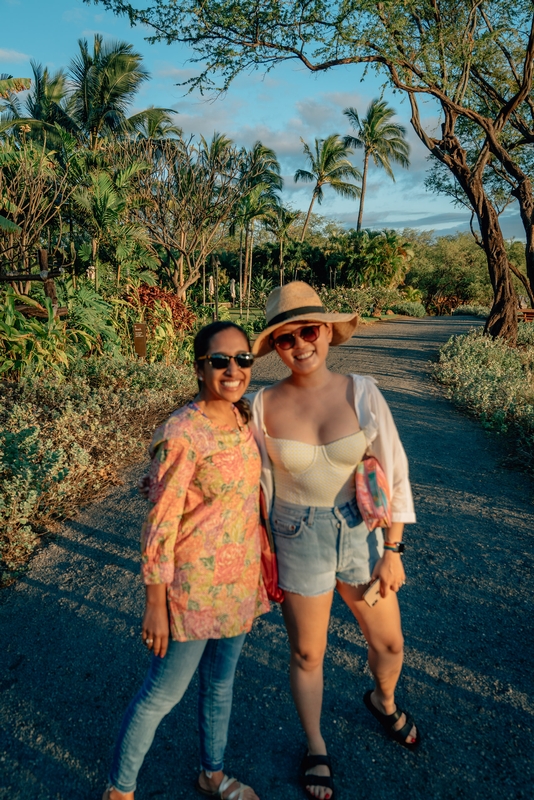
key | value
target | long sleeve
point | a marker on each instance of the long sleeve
(171, 471)
(384, 443)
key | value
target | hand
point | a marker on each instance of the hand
(390, 570)
(155, 628)
(143, 486)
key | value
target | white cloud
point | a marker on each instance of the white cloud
(12, 56)
(175, 73)
(74, 15)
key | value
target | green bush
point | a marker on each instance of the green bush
(471, 311)
(494, 382)
(35, 345)
(360, 301)
(66, 437)
(525, 333)
(410, 309)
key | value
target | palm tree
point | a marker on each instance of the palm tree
(329, 165)
(106, 202)
(380, 138)
(279, 224)
(11, 107)
(104, 85)
(261, 181)
(154, 123)
(47, 99)
(9, 84)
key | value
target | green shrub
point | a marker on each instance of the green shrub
(471, 311)
(525, 333)
(359, 301)
(35, 345)
(66, 437)
(489, 379)
(259, 324)
(30, 470)
(410, 309)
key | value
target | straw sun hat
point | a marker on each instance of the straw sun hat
(298, 302)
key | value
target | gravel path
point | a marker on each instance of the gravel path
(71, 655)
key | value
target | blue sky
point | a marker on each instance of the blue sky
(278, 109)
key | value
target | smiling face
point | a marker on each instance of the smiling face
(228, 384)
(305, 357)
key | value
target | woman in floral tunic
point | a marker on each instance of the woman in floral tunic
(200, 564)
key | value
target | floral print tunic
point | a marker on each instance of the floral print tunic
(201, 537)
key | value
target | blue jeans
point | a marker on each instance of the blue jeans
(164, 687)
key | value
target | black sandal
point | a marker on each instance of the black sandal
(309, 762)
(388, 721)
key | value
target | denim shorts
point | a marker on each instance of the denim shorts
(316, 547)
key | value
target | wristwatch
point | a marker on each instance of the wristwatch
(395, 547)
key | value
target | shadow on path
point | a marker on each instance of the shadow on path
(72, 658)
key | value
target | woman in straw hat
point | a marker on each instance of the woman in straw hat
(313, 428)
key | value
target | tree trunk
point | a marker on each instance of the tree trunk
(281, 262)
(523, 193)
(241, 272)
(524, 280)
(250, 268)
(175, 277)
(502, 320)
(182, 293)
(308, 215)
(48, 283)
(245, 271)
(364, 185)
(94, 251)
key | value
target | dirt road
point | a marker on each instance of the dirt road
(71, 654)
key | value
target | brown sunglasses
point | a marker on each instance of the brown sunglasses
(308, 333)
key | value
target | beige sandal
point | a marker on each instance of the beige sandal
(106, 795)
(225, 784)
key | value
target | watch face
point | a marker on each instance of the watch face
(400, 547)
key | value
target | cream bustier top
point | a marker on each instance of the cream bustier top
(316, 474)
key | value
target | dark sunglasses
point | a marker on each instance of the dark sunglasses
(222, 361)
(308, 333)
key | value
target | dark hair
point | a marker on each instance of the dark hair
(201, 345)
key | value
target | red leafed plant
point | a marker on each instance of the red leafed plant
(182, 316)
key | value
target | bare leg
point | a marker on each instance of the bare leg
(306, 620)
(381, 626)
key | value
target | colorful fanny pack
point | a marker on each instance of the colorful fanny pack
(372, 494)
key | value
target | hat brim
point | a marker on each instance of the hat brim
(343, 326)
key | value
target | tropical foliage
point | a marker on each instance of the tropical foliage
(474, 60)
